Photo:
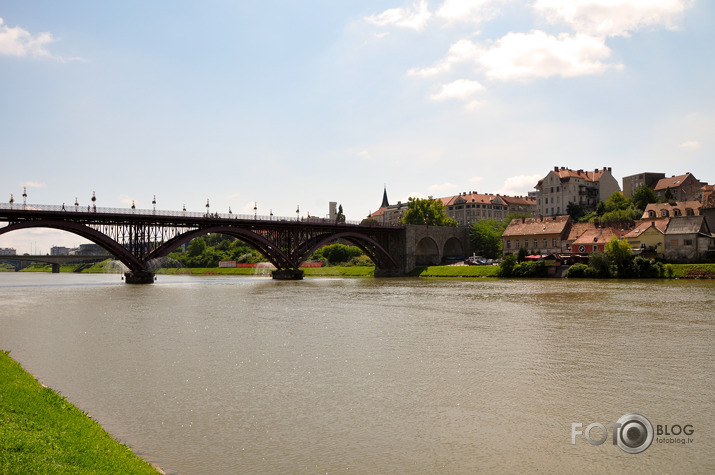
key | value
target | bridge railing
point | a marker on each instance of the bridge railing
(151, 212)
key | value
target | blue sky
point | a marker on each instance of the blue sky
(302, 103)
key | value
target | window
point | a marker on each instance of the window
(517, 244)
(546, 243)
(553, 242)
(673, 242)
(676, 212)
(595, 248)
(664, 213)
(508, 243)
(687, 242)
(557, 189)
(536, 244)
(651, 214)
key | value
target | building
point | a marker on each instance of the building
(595, 239)
(545, 234)
(633, 182)
(562, 186)
(648, 237)
(466, 208)
(683, 188)
(7, 251)
(667, 210)
(688, 239)
(59, 251)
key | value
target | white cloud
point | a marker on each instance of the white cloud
(460, 52)
(539, 55)
(459, 89)
(691, 145)
(613, 17)
(467, 10)
(414, 18)
(476, 179)
(443, 187)
(519, 185)
(33, 184)
(18, 42)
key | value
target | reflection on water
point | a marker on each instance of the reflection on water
(214, 375)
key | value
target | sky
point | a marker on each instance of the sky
(281, 105)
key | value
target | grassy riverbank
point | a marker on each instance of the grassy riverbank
(680, 271)
(40, 432)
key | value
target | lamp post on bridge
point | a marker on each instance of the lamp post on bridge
(297, 213)
(153, 202)
(24, 197)
(76, 204)
(94, 202)
(12, 200)
(207, 207)
(255, 210)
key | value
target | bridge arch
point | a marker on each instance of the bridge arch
(107, 243)
(427, 252)
(267, 248)
(369, 246)
(453, 248)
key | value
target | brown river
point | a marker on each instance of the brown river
(250, 375)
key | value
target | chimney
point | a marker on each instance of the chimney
(556, 169)
(595, 170)
(523, 219)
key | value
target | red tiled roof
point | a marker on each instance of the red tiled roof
(672, 182)
(598, 235)
(565, 174)
(642, 226)
(536, 226)
(683, 206)
(577, 229)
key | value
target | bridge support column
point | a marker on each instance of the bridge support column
(287, 274)
(139, 277)
(388, 272)
(55, 268)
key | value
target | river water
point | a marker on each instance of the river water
(251, 375)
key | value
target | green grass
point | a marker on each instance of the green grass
(688, 270)
(456, 271)
(41, 432)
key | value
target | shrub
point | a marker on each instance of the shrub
(506, 267)
(647, 268)
(530, 269)
(577, 271)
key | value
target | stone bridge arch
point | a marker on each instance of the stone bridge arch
(425, 245)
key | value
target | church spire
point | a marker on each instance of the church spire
(385, 203)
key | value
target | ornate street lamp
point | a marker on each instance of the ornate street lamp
(153, 202)
(229, 210)
(207, 206)
(184, 207)
(12, 200)
(94, 202)
(271, 215)
(133, 207)
(255, 210)
(76, 203)
(24, 196)
(297, 213)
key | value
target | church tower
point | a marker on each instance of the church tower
(385, 203)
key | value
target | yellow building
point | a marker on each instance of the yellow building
(648, 237)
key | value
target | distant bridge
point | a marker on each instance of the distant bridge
(17, 260)
(138, 237)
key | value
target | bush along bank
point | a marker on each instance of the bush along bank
(41, 432)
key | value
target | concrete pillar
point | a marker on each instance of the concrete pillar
(139, 277)
(287, 274)
(55, 268)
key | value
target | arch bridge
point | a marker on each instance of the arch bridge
(138, 237)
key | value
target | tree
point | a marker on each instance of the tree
(642, 197)
(340, 218)
(486, 238)
(196, 247)
(621, 256)
(669, 196)
(427, 211)
(575, 210)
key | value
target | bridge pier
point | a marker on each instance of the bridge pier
(139, 277)
(287, 274)
(55, 268)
